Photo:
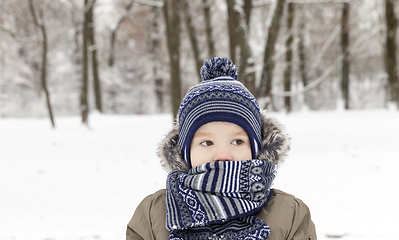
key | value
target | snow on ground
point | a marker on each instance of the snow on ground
(81, 184)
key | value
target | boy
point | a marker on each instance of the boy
(221, 157)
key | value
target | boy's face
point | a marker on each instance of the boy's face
(219, 141)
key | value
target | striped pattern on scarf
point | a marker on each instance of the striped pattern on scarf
(217, 200)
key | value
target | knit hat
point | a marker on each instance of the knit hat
(219, 97)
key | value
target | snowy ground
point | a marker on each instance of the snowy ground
(82, 184)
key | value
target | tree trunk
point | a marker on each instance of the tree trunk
(209, 38)
(172, 20)
(247, 11)
(232, 24)
(94, 62)
(390, 54)
(345, 54)
(84, 107)
(193, 37)
(111, 59)
(156, 58)
(246, 63)
(288, 57)
(42, 27)
(266, 81)
(301, 53)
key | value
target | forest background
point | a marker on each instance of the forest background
(63, 58)
(71, 60)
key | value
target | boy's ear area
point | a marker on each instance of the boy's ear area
(170, 153)
(275, 141)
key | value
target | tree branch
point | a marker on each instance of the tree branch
(323, 49)
(311, 85)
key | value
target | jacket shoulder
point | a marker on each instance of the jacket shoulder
(148, 221)
(283, 195)
(288, 217)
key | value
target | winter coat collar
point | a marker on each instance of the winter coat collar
(274, 146)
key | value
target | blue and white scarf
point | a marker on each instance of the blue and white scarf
(217, 200)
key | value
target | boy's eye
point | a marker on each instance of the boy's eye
(207, 143)
(237, 142)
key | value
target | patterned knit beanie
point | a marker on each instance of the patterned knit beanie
(219, 97)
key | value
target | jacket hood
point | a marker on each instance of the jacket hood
(273, 148)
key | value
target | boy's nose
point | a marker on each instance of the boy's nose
(222, 154)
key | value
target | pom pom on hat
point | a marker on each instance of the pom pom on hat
(219, 97)
(218, 67)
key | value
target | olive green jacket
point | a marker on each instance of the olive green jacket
(288, 218)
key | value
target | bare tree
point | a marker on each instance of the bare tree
(209, 38)
(89, 47)
(172, 20)
(301, 52)
(111, 59)
(232, 26)
(390, 52)
(345, 54)
(84, 105)
(266, 81)
(39, 22)
(239, 40)
(156, 58)
(248, 9)
(288, 57)
(192, 36)
(246, 63)
(94, 62)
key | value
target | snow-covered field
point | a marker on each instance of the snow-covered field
(82, 184)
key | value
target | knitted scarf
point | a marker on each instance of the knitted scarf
(217, 200)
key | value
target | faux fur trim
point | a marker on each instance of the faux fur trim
(274, 146)
(170, 153)
(275, 141)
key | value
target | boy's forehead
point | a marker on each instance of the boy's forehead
(220, 128)
(201, 134)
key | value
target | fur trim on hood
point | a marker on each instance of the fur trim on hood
(274, 146)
